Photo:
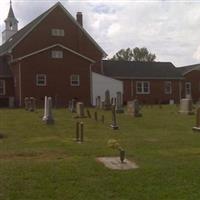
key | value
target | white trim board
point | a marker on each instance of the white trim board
(50, 47)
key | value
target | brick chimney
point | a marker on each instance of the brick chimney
(79, 18)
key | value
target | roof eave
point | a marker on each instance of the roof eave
(148, 78)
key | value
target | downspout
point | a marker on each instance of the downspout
(91, 86)
(20, 86)
(180, 90)
(131, 87)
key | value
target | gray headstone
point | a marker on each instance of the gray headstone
(133, 108)
(197, 127)
(80, 110)
(107, 104)
(119, 104)
(32, 105)
(26, 103)
(98, 102)
(186, 106)
(114, 120)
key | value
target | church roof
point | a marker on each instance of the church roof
(17, 37)
(186, 69)
(140, 70)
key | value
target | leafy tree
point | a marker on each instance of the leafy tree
(136, 54)
(123, 55)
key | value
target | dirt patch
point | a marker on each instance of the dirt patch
(151, 140)
(2, 136)
(42, 156)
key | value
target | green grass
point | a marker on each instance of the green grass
(43, 162)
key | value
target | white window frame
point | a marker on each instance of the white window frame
(168, 87)
(188, 90)
(41, 77)
(75, 80)
(57, 32)
(2, 87)
(142, 87)
(57, 54)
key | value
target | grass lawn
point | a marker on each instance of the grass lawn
(43, 162)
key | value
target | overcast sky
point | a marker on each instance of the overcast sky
(170, 29)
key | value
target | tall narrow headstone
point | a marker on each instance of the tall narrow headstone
(88, 113)
(114, 120)
(119, 105)
(186, 106)
(26, 103)
(80, 110)
(95, 116)
(45, 108)
(49, 117)
(102, 105)
(98, 102)
(107, 104)
(32, 105)
(197, 127)
(73, 105)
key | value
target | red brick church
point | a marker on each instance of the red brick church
(54, 56)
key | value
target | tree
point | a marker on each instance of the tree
(136, 54)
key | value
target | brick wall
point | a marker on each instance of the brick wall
(156, 95)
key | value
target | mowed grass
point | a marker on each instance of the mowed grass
(43, 162)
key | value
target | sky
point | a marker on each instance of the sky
(170, 29)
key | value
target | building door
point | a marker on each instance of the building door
(188, 89)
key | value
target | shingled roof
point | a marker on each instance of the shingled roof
(140, 70)
(186, 69)
(13, 41)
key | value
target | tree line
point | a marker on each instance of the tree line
(135, 54)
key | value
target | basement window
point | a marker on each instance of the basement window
(41, 80)
(57, 54)
(75, 80)
(142, 87)
(2, 87)
(57, 32)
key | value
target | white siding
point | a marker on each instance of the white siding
(102, 83)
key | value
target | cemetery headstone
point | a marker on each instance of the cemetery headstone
(88, 113)
(98, 102)
(82, 132)
(77, 132)
(114, 120)
(102, 105)
(133, 108)
(11, 102)
(197, 127)
(26, 103)
(119, 106)
(186, 106)
(32, 105)
(73, 105)
(48, 119)
(107, 105)
(45, 108)
(80, 110)
(102, 119)
(95, 116)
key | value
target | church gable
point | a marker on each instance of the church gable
(56, 26)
